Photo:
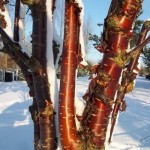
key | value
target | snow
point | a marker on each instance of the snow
(58, 38)
(81, 39)
(15, 123)
(8, 28)
(21, 25)
(51, 71)
(22, 29)
(16, 127)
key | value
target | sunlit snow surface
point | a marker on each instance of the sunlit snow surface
(16, 128)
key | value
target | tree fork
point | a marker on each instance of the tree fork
(40, 79)
(68, 133)
(129, 76)
(28, 78)
(33, 108)
(118, 24)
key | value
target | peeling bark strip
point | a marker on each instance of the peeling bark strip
(129, 76)
(102, 89)
(68, 132)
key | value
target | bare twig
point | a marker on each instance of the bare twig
(144, 138)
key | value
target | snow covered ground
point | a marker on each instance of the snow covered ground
(16, 130)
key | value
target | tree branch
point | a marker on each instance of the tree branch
(138, 49)
(16, 21)
(30, 2)
(134, 61)
(31, 62)
(128, 75)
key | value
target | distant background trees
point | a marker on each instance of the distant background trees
(146, 59)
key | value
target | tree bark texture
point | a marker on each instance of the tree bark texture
(102, 89)
(128, 77)
(40, 79)
(68, 132)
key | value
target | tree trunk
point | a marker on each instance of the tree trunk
(40, 79)
(68, 132)
(129, 76)
(102, 89)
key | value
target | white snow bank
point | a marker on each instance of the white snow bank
(131, 133)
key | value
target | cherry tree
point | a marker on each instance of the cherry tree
(58, 122)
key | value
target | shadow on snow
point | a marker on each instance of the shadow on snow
(16, 127)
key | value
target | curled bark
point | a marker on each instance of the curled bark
(102, 89)
(129, 75)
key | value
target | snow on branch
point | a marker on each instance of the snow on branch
(51, 71)
(6, 15)
(31, 62)
(19, 23)
(58, 38)
(81, 39)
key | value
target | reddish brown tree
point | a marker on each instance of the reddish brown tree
(100, 96)
(68, 132)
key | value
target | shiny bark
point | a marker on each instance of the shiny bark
(128, 77)
(68, 132)
(40, 79)
(37, 65)
(102, 89)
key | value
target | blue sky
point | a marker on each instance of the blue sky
(97, 10)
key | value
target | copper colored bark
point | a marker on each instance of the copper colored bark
(128, 78)
(116, 37)
(68, 132)
(102, 88)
